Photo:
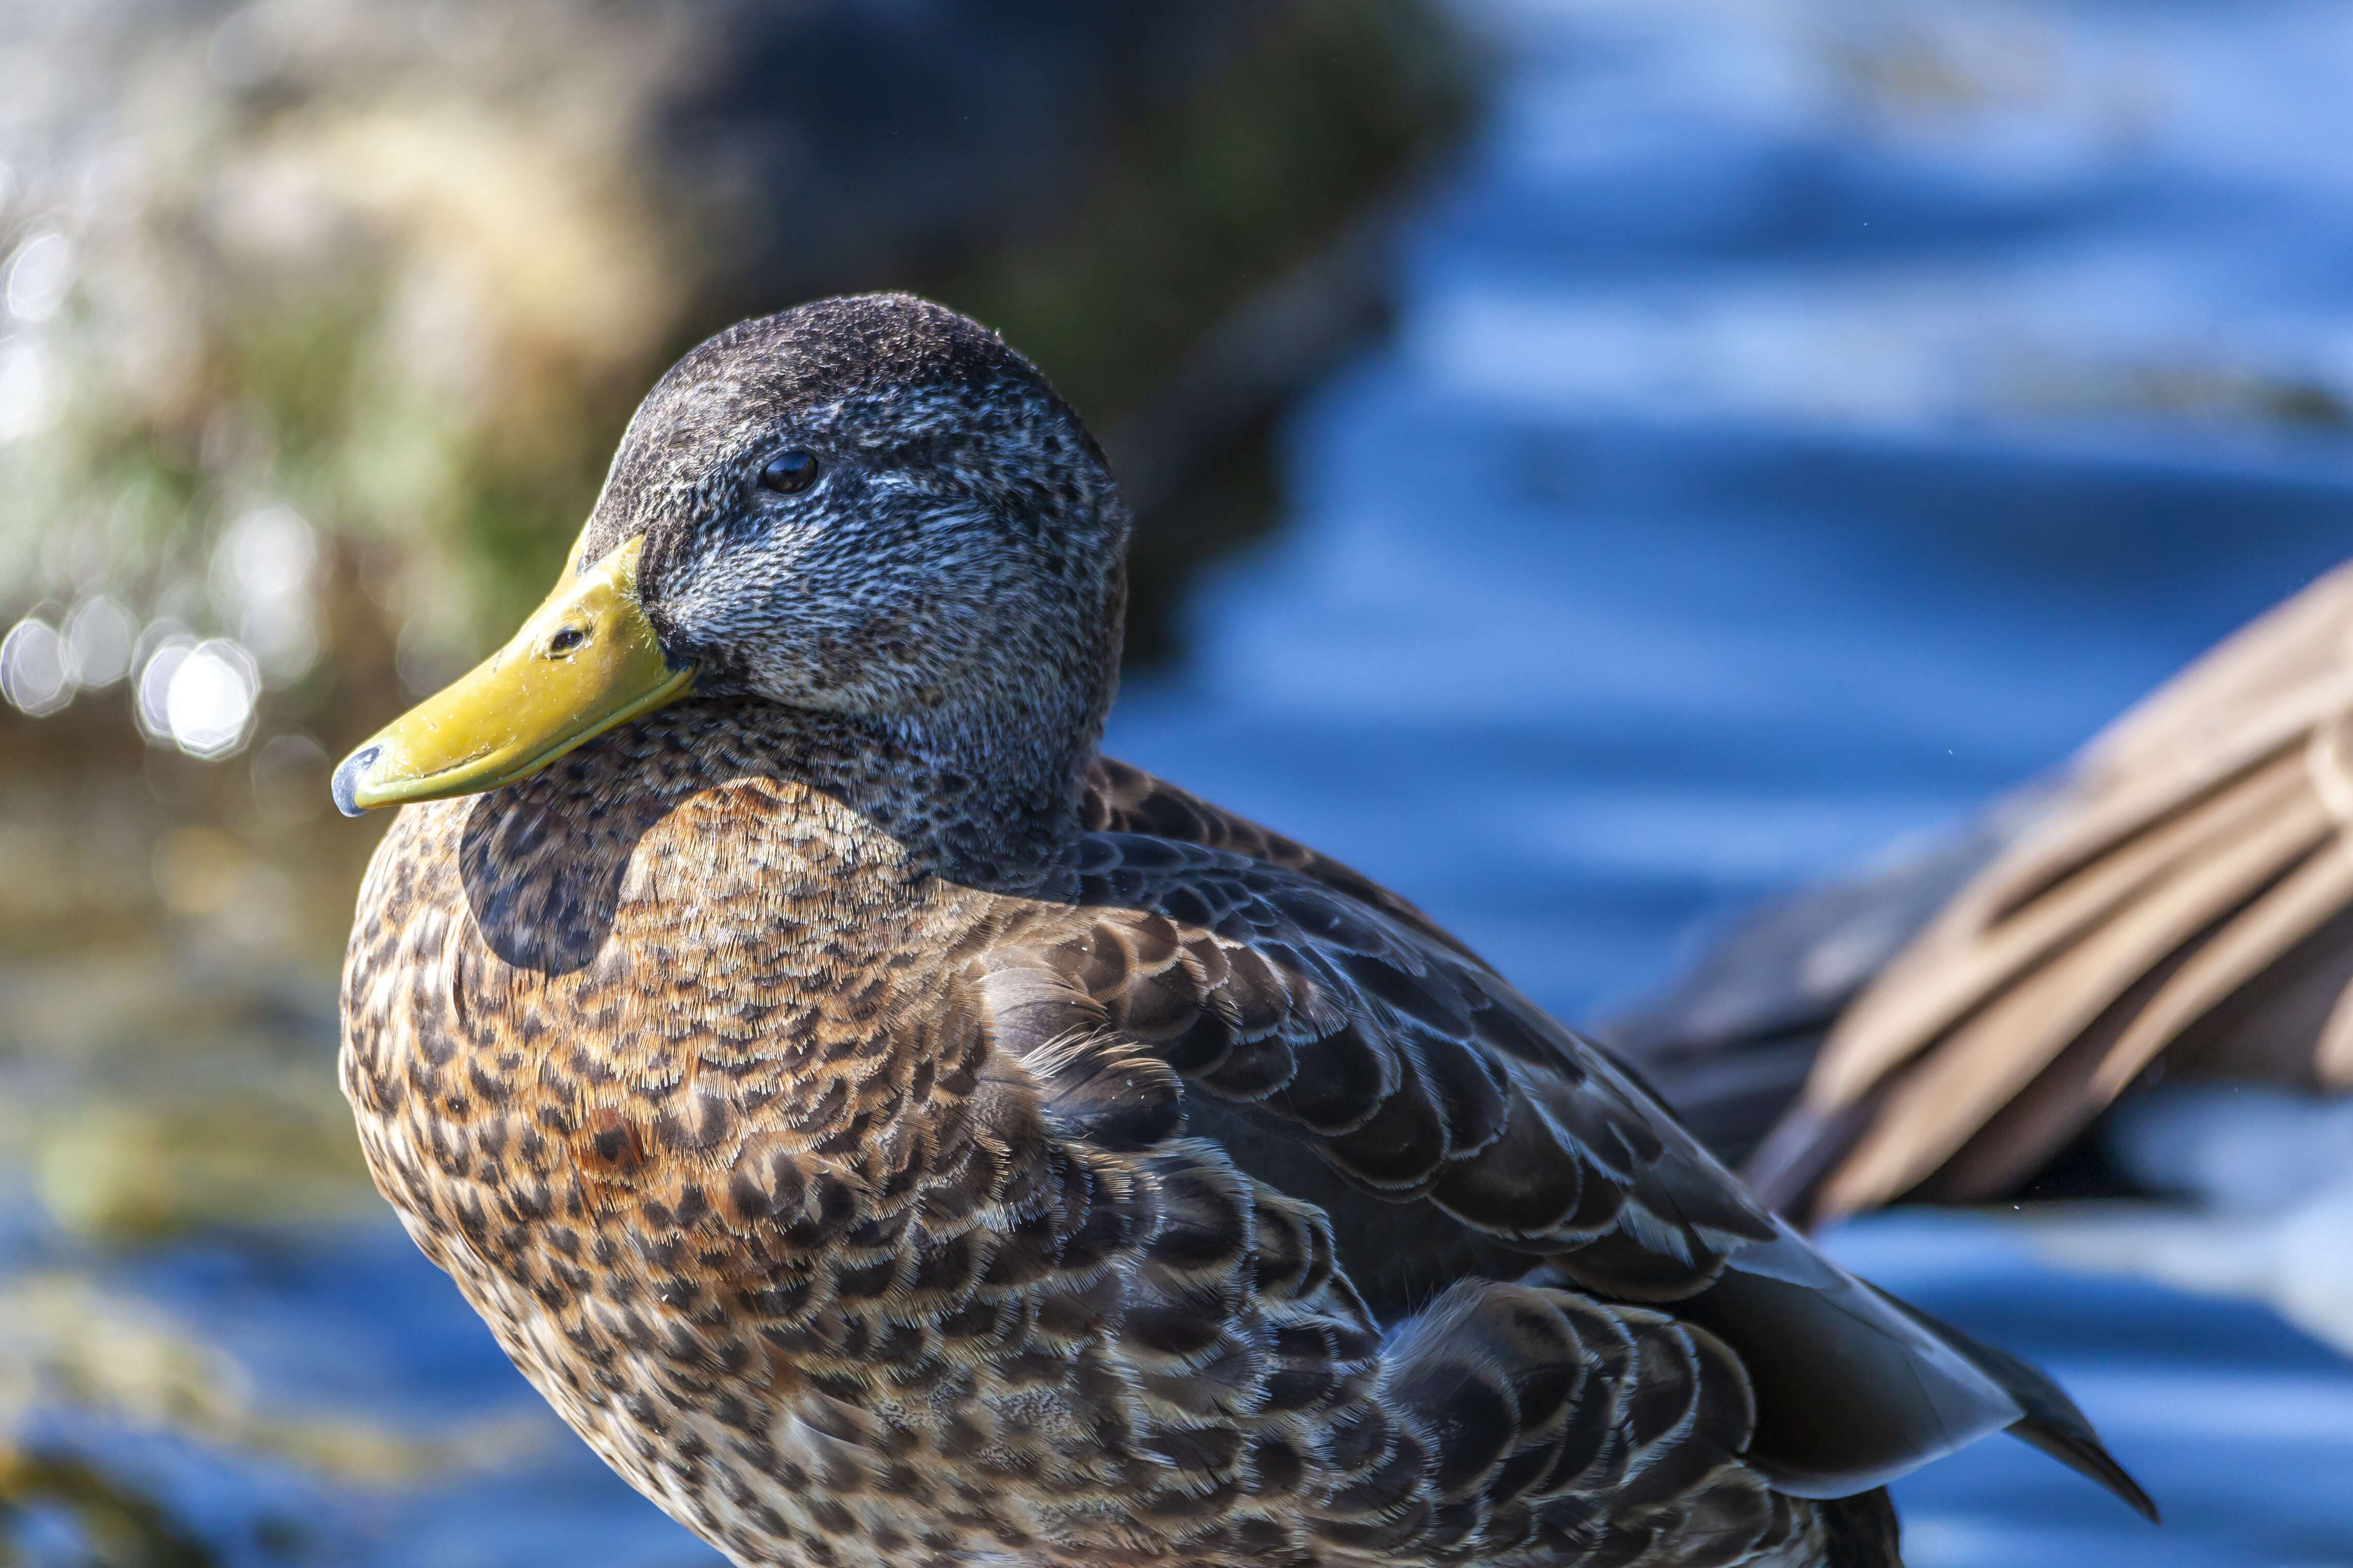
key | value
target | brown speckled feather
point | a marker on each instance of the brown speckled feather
(840, 1205)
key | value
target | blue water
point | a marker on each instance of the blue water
(1803, 422)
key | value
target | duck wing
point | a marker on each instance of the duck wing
(2185, 893)
(1348, 1060)
(1123, 798)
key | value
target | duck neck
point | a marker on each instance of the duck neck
(989, 800)
(1000, 792)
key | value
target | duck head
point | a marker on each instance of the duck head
(864, 507)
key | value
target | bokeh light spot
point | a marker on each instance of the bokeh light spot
(163, 648)
(99, 636)
(264, 567)
(34, 672)
(23, 388)
(38, 276)
(208, 704)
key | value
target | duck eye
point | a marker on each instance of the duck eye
(788, 472)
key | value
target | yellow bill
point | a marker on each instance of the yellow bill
(587, 660)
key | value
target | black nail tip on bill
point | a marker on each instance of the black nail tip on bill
(346, 784)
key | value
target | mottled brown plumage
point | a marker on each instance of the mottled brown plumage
(891, 1134)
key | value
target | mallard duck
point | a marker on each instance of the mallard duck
(2179, 900)
(892, 1133)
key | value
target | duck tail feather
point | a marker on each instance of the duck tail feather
(2052, 1422)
